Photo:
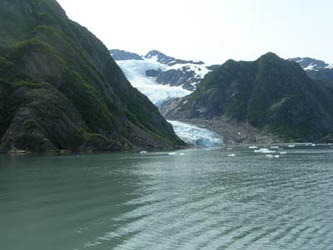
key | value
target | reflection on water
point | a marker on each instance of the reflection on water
(195, 199)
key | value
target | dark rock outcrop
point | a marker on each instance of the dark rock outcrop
(61, 89)
(152, 73)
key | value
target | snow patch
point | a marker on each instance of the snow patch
(329, 66)
(311, 66)
(199, 70)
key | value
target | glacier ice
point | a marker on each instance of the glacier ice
(135, 71)
(195, 135)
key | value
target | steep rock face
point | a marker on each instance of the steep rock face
(60, 88)
(271, 94)
(316, 69)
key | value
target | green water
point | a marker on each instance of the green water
(196, 199)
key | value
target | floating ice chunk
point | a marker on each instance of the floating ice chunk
(143, 152)
(283, 153)
(275, 147)
(264, 151)
(291, 145)
(172, 153)
(253, 147)
(231, 155)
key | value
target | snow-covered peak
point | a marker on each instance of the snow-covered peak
(167, 70)
(311, 64)
(157, 56)
(316, 69)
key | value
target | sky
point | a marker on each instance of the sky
(210, 30)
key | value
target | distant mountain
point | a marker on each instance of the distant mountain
(170, 61)
(269, 94)
(170, 71)
(60, 88)
(120, 55)
(316, 69)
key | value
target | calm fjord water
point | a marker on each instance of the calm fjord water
(195, 199)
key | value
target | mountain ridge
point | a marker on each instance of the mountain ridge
(61, 89)
(172, 71)
(270, 94)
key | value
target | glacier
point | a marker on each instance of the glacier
(135, 71)
(196, 136)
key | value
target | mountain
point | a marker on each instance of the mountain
(316, 69)
(270, 94)
(163, 69)
(120, 55)
(61, 89)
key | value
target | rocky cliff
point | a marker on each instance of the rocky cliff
(60, 88)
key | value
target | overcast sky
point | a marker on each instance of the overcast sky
(210, 30)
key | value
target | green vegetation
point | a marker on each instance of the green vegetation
(60, 88)
(271, 94)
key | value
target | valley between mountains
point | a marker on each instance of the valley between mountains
(62, 89)
(270, 100)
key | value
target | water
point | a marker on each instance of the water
(192, 199)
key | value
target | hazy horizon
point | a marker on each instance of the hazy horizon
(212, 31)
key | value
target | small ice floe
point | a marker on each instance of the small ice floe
(172, 153)
(313, 145)
(283, 153)
(253, 147)
(276, 156)
(308, 144)
(264, 151)
(275, 147)
(181, 154)
(270, 156)
(143, 152)
(231, 155)
(291, 145)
